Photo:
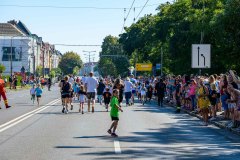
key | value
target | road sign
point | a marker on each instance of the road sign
(158, 66)
(201, 56)
(143, 67)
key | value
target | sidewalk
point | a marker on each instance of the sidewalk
(219, 122)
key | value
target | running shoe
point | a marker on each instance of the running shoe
(114, 135)
(66, 111)
(109, 131)
(212, 119)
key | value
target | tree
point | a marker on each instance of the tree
(113, 55)
(2, 68)
(39, 70)
(69, 61)
(76, 70)
(57, 71)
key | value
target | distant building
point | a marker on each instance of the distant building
(87, 68)
(24, 49)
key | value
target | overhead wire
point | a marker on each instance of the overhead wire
(142, 9)
(127, 16)
(71, 7)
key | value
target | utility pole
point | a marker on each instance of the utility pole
(161, 62)
(89, 58)
(43, 69)
(11, 67)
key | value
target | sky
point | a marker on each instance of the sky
(75, 26)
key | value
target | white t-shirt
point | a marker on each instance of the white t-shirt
(83, 80)
(128, 86)
(91, 84)
(71, 80)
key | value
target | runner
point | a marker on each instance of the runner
(38, 92)
(118, 85)
(107, 97)
(82, 94)
(114, 113)
(149, 92)
(160, 89)
(32, 93)
(66, 91)
(61, 85)
(49, 82)
(143, 93)
(91, 84)
(3, 92)
(100, 90)
(134, 83)
(128, 90)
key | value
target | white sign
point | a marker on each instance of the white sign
(201, 56)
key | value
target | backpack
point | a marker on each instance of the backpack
(66, 87)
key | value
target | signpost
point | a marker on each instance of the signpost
(158, 66)
(201, 56)
(143, 67)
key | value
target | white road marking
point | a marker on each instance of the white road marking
(117, 147)
(25, 116)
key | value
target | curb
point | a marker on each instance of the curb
(220, 125)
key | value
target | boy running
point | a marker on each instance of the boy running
(114, 113)
(107, 97)
(38, 92)
(32, 93)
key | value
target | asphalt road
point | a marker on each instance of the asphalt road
(145, 132)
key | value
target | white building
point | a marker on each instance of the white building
(20, 48)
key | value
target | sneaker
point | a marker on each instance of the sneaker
(109, 131)
(63, 110)
(71, 107)
(230, 125)
(114, 135)
(212, 119)
(66, 111)
(8, 106)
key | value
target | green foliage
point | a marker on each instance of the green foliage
(107, 67)
(69, 61)
(57, 71)
(2, 68)
(76, 70)
(177, 26)
(117, 62)
(52, 73)
(39, 70)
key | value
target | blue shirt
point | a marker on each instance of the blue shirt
(38, 91)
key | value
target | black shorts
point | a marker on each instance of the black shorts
(115, 118)
(71, 94)
(65, 95)
(38, 96)
(91, 95)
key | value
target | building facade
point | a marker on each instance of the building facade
(19, 48)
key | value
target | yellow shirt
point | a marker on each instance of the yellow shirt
(203, 102)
